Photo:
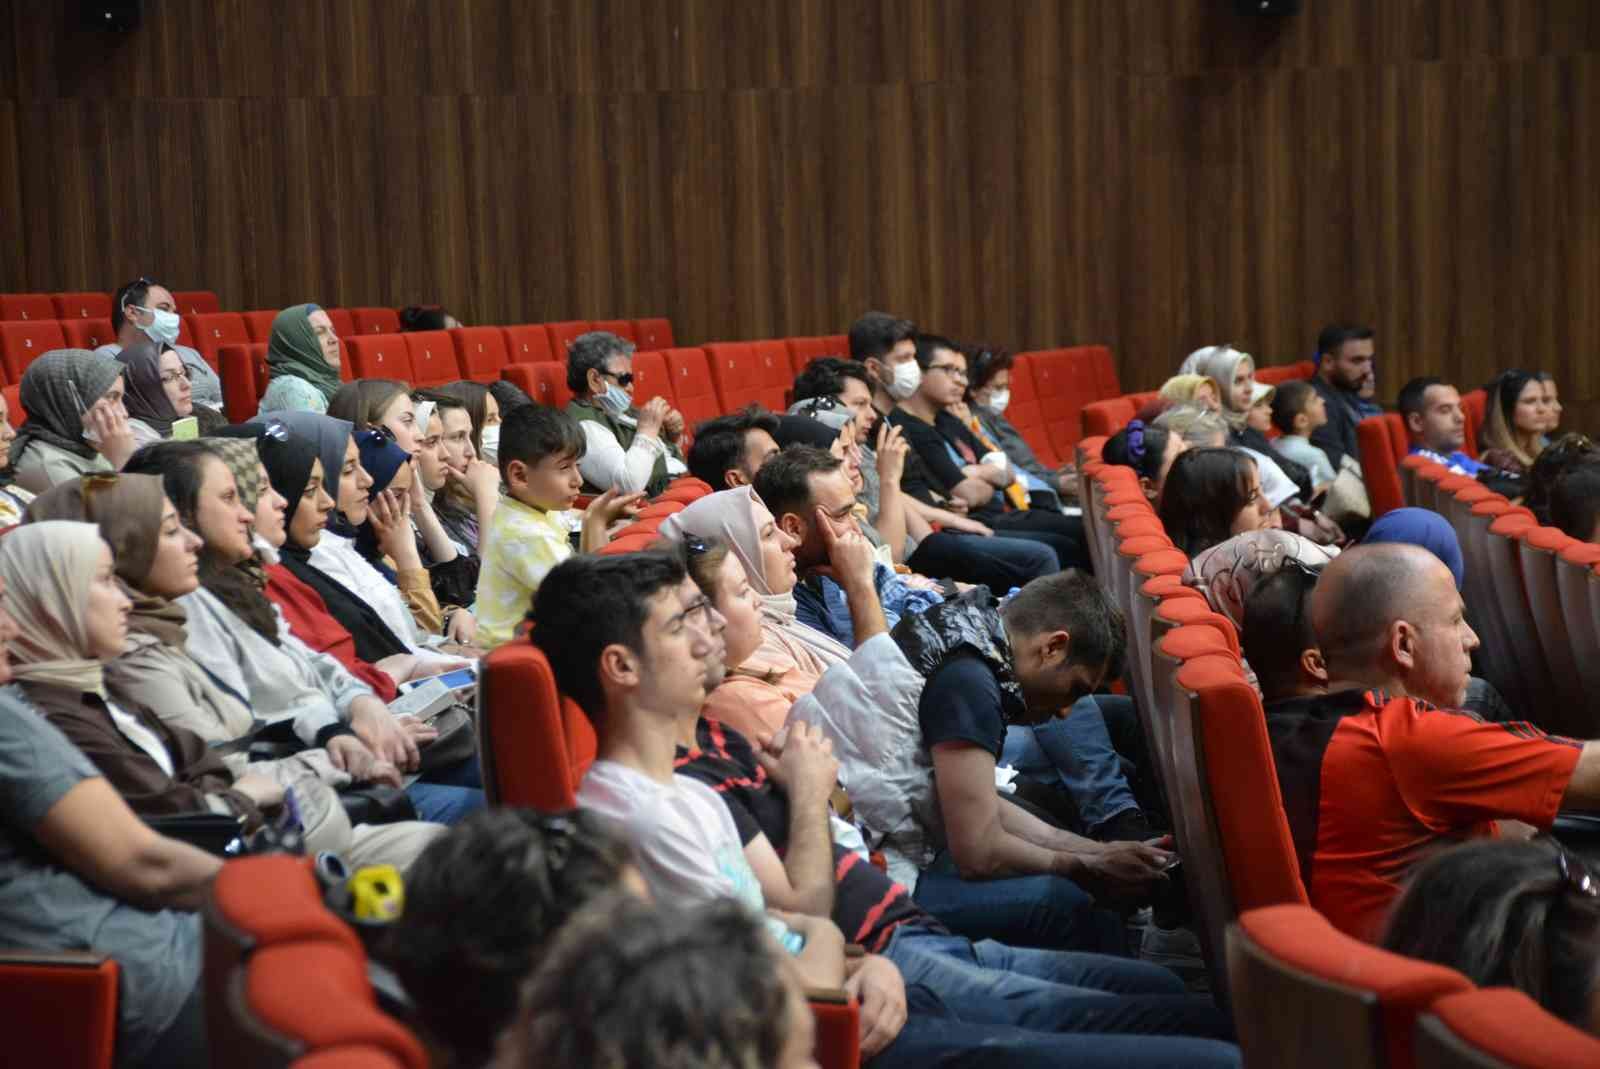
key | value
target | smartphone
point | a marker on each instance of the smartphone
(461, 677)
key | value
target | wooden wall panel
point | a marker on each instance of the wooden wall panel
(1152, 174)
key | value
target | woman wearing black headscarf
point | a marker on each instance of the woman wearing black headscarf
(158, 393)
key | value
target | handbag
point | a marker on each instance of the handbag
(376, 804)
(457, 741)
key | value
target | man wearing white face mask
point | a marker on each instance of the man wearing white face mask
(628, 448)
(989, 392)
(146, 309)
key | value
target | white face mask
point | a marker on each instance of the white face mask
(615, 400)
(491, 444)
(907, 377)
(163, 329)
(998, 400)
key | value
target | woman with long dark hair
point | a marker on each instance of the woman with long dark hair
(1211, 495)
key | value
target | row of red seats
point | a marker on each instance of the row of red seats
(34, 306)
(1385, 444)
(1107, 417)
(1301, 992)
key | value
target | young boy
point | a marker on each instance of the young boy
(1297, 411)
(539, 452)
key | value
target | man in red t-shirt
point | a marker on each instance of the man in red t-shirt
(1383, 769)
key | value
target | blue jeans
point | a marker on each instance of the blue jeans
(1075, 753)
(1051, 990)
(446, 795)
(1022, 911)
(935, 1036)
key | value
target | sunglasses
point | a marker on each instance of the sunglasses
(624, 379)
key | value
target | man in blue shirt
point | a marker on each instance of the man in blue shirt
(1431, 409)
(804, 486)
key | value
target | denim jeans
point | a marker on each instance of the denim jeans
(997, 563)
(447, 795)
(1051, 990)
(1022, 911)
(936, 1037)
(1075, 753)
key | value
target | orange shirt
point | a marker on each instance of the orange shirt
(755, 698)
(1374, 784)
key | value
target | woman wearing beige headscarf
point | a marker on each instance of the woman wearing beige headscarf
(1192, 390)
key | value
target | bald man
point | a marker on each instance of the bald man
(1383, 768)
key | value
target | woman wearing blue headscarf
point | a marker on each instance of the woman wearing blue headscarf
(1419, 527)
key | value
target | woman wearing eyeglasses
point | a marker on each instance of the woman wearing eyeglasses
(626, 448)
(159, 393)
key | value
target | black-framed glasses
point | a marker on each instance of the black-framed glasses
(171, 378)
(955, 371)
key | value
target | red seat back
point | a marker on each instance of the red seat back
(87, 333)
(654, 334)
(692, 386)
(534, 744)
(244, 379)
(193, 302)
(344, 325)
(433, 356)
(379, 356)
(651, 378)
(747, 373)
(526, 343)
(21, 343)
(622, 328)
(480, 353)
(259, 324)
(1380, 466)
(27, 306)
(1107, 417)
(1500, 1028)
(375, 320)
(14, 410)
(59, 1008)
(82, 305)
(545, 382)
(804, 350)
(563, 334)
(1306, 994)
(1472, 403)
(1274, 376)
(1025, 413)
(1066, 380)
(211, 331)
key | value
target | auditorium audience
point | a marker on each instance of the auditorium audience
(76, 421)
(1209, 496)
(1515, 417)
(1345, 356)
(1298, 410)
(629, 449)
(1575, 502)
(836, 391)
(810, 497)
(1373, 777)
(729, 450)
(467, 488)
(983, 413)
(636, 986)
(13, 498)
(1436, 424)
(82, 872)
(957, 472)
(1233, 373)
(540, 453)
(1148, 450)
(414, 317)
(159, 393)
(302, 361)
(144, 310)
(1509, 914)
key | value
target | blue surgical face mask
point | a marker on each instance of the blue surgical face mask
(615, 400)
(163, 328)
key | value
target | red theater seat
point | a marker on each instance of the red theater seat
(528, 343)
(545, 382)
(622, 328)
(1384, 445)
(216, 329)
(533, 744)
(804, 350)
(344, 325)
(692, 385)
(14, 409)
(1472, 403)
(651, 378)
(259, 324)
(655, 334)
(563, 334)
(375, 320)
(1025, 413)
(244, 379)
(82, 305)
(379, 356)
(21, 343)
(1107, 417)
(433, 356)
(480, 353)
(1500, 1028)
(1068, 379)
(1274, 376)
(747, 373)
(192, 302)
(27, 306)
(87, 333)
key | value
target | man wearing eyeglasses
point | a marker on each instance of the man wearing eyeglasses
(1383, 769)
(629, 448)
(145, 309)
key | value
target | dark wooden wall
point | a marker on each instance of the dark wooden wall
(1152, 174)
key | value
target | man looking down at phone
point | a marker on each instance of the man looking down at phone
(76, 422)
(628, 449)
